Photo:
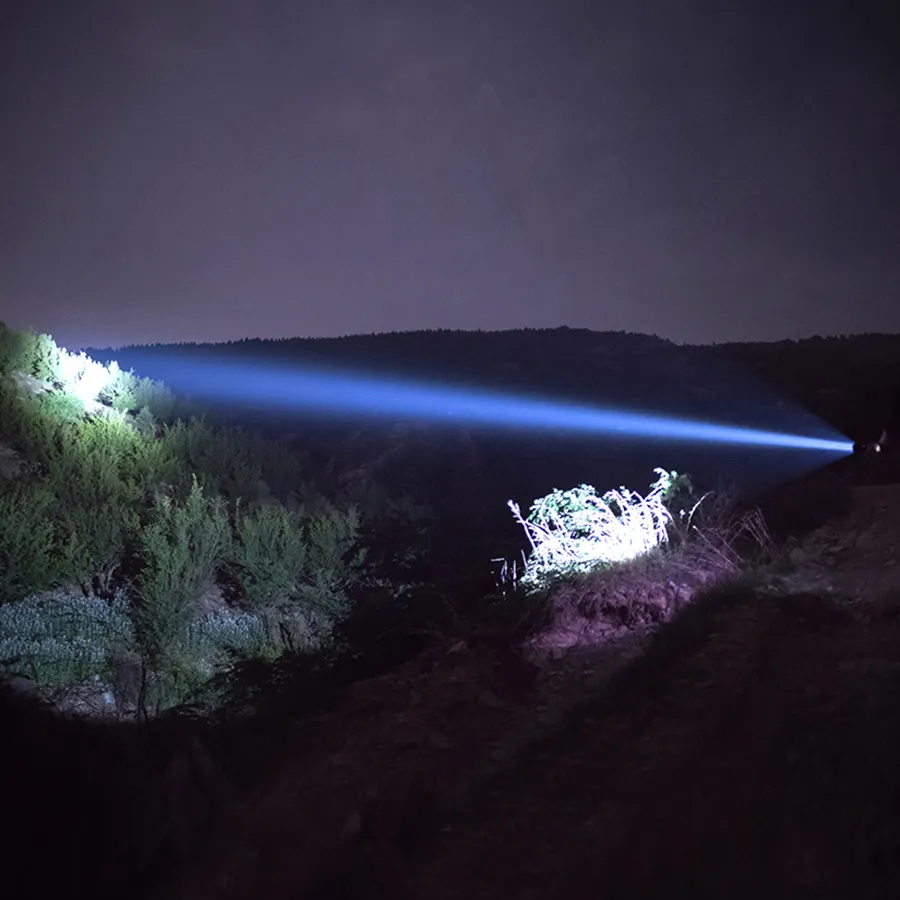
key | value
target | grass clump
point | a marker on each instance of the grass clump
(578, 531)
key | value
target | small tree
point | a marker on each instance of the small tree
(181, 549)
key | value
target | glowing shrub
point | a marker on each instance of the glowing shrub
(81, 376)
(578, 530)
(60, 408)
(120, 389)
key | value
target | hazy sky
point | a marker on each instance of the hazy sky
(193, 170)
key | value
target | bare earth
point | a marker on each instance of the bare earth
(754, 751)
(763, 762)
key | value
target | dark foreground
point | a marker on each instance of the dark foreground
(752, 752)
(755, 752)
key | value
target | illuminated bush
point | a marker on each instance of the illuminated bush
(119, 390)
(578, 530)
(64, 640)
(81, 376)
(61, 408)
(93, 469)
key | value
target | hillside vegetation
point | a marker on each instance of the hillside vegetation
(281, 669)
(147, 550)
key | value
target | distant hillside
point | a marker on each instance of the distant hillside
(843, 380)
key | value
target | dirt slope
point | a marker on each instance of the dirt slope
(754, 757)
(753, 752)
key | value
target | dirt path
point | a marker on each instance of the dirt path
(754, 753)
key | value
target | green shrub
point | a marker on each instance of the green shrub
(14, 414)
(270, 554)
(223, 461)
(181, 549)
(145, 424)
(287, 558)
(155, 396)
(29, 541)
(44, 361)
(209, 648)
(94, 470)
(36, 424)
(151, 465)
(60, 407)
(13, 351)
(64, 640)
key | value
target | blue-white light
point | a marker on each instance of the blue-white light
(337, 394)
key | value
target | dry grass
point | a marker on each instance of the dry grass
(599, 607)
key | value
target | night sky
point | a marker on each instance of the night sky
(207, 170)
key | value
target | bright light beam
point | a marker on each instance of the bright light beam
(340, 394)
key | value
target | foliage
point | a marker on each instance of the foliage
(154, 396)
(65, 640)
(181, 548)
(120, 389)
(13, 350)
(284, 466)
(29, 541)
(60, 408)
(578, 530)
(269, 553)
(32, 354)
(43, 358)
(94, 469)
(81, 376)
(118, 487)
(27, 422)
(223, 462)
(286, 557)
(14, 413)
(210, 646)
(145, 424)
(397, 530)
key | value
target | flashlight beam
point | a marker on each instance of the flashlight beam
(340, 394)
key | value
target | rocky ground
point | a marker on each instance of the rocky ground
(747, 748)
